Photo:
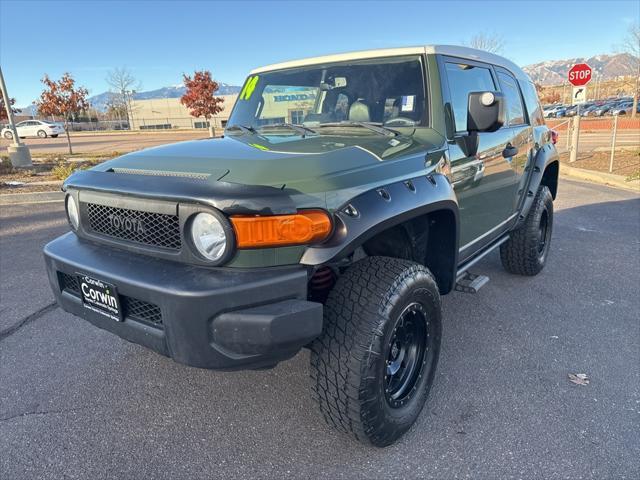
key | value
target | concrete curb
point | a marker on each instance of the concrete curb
(35, 197)
(601, 178)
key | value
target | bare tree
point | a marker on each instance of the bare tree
(115, 110)
(123, 87)
(631, 45)
(489, 42)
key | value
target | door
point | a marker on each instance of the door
(32, 128)
(23, 128)
(520, 131)
(486, 184)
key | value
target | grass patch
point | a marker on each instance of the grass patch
(634, 176)
(85, 158)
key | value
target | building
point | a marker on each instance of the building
(168, 113)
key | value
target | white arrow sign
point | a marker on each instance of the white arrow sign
(579, 95)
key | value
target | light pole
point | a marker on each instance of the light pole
(18, 153)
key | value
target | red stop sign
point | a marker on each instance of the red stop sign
(580, 74)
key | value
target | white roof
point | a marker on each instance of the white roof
(451, 50)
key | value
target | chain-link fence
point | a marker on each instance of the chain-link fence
(610, 144)
(156, 123)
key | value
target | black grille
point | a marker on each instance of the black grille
(69, 283)
(143, 311)
(155, 229)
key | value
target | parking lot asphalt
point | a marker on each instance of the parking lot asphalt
(77, 402)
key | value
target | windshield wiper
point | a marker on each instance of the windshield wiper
(244, 128)
(301, 129)
(368, 125)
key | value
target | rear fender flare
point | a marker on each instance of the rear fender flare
(546, 155)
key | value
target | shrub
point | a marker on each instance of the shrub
(62, 170)
(5, 166)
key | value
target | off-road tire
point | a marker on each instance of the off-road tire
(522, 254)
(349, 362)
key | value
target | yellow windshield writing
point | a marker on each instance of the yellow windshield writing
(258, 146)
(249, 87)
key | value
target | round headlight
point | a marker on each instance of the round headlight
(72, 212)
(209, 236)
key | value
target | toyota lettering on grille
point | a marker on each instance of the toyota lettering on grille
(125, 224)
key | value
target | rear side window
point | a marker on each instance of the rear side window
(533, 104)
(464, 79)
(515, 110)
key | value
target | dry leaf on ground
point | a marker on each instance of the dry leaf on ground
(579, 378)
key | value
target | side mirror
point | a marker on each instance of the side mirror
(485, 112)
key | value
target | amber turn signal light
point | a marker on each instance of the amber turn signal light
(306, 226)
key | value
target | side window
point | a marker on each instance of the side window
(515, 110)
(464, 79)
(534, 109)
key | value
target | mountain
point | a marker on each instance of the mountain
(554, 72)
(100, 101)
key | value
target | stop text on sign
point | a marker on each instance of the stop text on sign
(580, 75)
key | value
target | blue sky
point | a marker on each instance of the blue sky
(159, 40)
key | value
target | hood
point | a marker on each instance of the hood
(313, 164)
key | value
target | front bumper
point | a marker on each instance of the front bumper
(217, 318)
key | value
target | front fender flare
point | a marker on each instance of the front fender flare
(376, 210)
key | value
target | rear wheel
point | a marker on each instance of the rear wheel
(526, 251)
(55, 135)
(374, 364)
(42, 134)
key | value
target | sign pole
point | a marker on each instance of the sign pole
(18, 153)
(573, 155)
(613, 142)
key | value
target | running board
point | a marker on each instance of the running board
(468, 282)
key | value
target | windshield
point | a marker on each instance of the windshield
(382, 91)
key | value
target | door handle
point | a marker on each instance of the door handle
(509, 151)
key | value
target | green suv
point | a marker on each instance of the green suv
(349, 192)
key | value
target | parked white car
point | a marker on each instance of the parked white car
(34, 128)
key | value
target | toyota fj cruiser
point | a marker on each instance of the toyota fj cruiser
(348, 193)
